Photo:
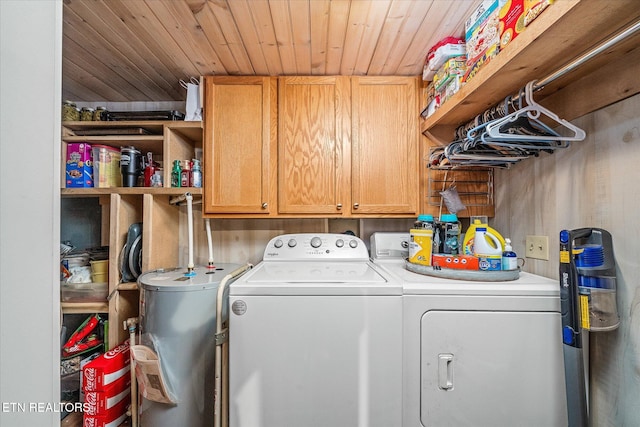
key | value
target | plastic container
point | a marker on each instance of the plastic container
(488, 250)
(101, 266)
(420, 245)
(449, 234)
(196, 174)
(106, 166)
(176, 174)
(509, 258)
(469, 236)
(84, 292)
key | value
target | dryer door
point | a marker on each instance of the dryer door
(491, 368)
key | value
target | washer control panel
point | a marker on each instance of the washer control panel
(316, 246)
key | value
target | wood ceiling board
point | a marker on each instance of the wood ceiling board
(284, 36)
(301, 31)
(372, 31)
(338, 21)
(403, 16)
(258, 36)
(155, 43)
(121, 44)
(216, 36)
(181, 25)
(319, 25)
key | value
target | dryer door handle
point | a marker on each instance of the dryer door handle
(445, 371)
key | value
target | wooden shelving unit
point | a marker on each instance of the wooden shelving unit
(564, 31)
(123, 206)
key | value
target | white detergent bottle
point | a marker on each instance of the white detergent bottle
(488, 249)
(509, 258)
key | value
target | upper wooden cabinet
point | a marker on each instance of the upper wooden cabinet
(348, 146)
(313, 145)
(239, 149)
(338, 146)
(384, 146)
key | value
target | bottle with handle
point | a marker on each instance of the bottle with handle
(488, 249)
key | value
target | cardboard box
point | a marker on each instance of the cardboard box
(98, 374)
(79, 166)
(482, 36)
(111, 418)
(515, 15)
(100, 402)
(451, 68)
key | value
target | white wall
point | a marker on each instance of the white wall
(30, 87)
(594, 183)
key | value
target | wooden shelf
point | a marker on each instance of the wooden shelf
(129, 286)
(192, 130)
(84, 307)
(563, 32)
(169, 191)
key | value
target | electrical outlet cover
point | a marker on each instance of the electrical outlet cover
(537, 247)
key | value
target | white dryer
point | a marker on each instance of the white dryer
(314, 337)
(481, 354)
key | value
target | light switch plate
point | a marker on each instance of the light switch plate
(537, 247)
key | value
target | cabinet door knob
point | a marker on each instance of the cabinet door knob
(339, 206)
(356, 205)
(264, 205)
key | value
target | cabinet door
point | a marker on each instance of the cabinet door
(313, 141)
(239, 145)
(485, 368)
(385, 152)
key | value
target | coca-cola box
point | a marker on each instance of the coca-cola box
(100, 402)
(106, 369)
(111, 418)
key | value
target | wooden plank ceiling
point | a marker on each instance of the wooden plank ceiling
(139, 50)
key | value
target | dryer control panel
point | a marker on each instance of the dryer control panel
(316, 246)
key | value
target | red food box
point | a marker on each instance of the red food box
(106, 369)
(516, 15)
(112, 418)
(100, 402)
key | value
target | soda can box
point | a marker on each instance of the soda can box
(79, 166)
(100, 402)
(111, 418)
(106, 369)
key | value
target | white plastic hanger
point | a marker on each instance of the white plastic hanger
(533, 111)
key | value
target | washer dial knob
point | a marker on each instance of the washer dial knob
(316, 242)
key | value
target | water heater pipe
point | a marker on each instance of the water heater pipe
(221, 339)
(131, 324)
(209, 242)
(190, 264)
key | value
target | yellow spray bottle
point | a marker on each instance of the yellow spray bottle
(467, 242)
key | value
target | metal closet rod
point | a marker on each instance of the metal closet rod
(587, 56)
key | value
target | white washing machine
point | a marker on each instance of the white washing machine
(314, 337)
(481, 354)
